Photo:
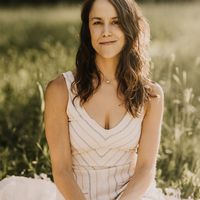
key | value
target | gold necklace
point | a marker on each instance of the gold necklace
(108, 81)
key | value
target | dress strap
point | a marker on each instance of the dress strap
(71, 108)
(69, 78)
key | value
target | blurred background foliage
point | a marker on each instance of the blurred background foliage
(37, 44)
(44, 2)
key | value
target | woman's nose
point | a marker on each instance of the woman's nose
(106, 30)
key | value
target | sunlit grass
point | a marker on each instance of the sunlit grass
(48, 14)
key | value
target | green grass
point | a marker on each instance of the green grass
(36, 44)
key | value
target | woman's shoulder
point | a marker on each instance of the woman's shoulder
(157, 96)
(56, 89)
(156, 89)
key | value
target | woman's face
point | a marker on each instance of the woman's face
(107, 38)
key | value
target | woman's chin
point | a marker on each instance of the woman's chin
(109, 55)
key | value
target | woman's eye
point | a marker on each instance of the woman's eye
(115, 22)
(98, 23)
(95, 23)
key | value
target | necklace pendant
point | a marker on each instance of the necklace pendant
(107, 81)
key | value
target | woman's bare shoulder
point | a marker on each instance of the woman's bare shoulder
(158, 96)
(56, 90)
(157, 89)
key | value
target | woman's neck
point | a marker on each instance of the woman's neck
(107, 66)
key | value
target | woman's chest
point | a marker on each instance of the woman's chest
(106, 108)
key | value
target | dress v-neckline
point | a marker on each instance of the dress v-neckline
(96, 125)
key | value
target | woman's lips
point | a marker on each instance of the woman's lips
(107, 43)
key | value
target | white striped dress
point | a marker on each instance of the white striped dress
(103, 160)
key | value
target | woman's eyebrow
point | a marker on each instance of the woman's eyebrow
(99, 18)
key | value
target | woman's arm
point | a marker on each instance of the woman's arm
(57, 134)
(148, 148)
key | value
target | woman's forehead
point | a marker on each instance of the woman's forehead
(103, 9)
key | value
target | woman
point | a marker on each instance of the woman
(103, 121)
(114, 111)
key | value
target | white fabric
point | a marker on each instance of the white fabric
(23, 188)
(103, 160)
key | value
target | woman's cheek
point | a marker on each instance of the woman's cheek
(97, 32)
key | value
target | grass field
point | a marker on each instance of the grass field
(36, 44)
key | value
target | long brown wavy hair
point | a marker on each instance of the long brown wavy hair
(132, 71)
